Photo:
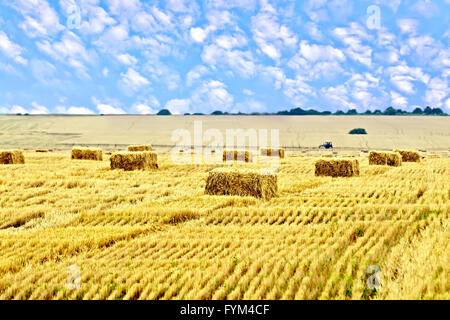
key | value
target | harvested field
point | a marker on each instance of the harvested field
(154, 234)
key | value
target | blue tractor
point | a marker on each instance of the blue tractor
(326, 145)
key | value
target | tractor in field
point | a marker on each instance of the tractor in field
(326, 145)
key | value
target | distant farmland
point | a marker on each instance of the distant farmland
(384, 132)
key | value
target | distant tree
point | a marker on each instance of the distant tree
(339, 112)
(187, 114)
(352, 111)
(378, 111)
(417, 111)
(390, 111)
(437, 111)
(198, 114)
(164, 112)
(217, 113)
(368, 111)
(428, 110)
(357, 131)
(326, 113)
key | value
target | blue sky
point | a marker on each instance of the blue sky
(112, 57)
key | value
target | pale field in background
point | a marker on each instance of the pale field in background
(384, 132)
(156, 235)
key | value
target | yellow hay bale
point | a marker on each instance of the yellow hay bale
(241, 182)
(337, 167)
(272, 152)
(140, 147)
(80, 153)
(409, 155)
(134, 160)
(41, 150)
(11, 157)
(237, 155)
(385, 158)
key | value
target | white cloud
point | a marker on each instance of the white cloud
(196, 74)
(408, 25)
(437, 91)
(248, 92)
(211, 95)
(69, 50)
(43, 71)
(198, 34)
(352, 37)
(249, 105)
(18, 109)
(144, 109)
(178, 106)
(297, 89)
(161, 73)
(41, 19)
(11, 49)
(398, 101)
(314, 61)
(38, 109)
(126, 59)
(339, 97)
(132, 80)
(402, 77)
(269, 35)
(275, 74)
(238, 60)
(108, 109)
(74, 110)
(447, 105)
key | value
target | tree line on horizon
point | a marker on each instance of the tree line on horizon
(390, 111)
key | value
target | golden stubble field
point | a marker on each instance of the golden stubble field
(156, 235)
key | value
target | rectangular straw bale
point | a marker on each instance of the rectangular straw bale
(41, 150)
(434, 156)
(11, 157)
(140, 147)
(134, 160)
(337, 167)
(237, 155)
(385, 158)
(80, 153)
(409, 155)
(241, 182)
(272, 152)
